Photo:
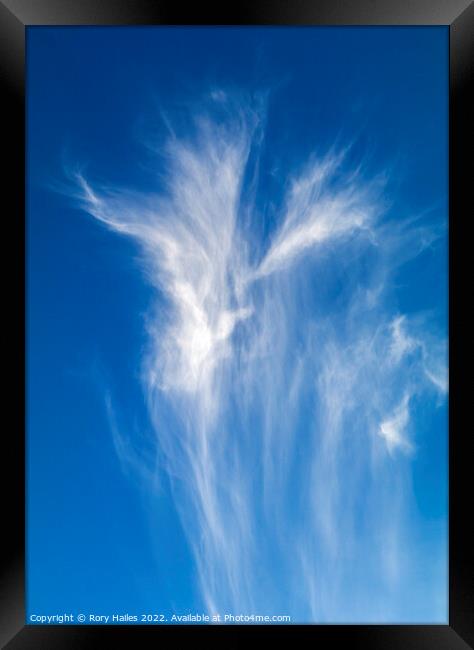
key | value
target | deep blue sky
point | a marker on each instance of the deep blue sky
(96, 540)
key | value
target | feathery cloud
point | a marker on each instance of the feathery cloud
(285, 404)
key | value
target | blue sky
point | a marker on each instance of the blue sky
(237, 322)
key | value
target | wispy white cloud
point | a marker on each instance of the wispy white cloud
(393, 428)
(274, 405)
(318, 211)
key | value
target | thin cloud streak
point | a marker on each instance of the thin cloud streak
(284, 405)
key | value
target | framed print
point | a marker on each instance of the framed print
(238, 248)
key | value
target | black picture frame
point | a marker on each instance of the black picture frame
(15, 17)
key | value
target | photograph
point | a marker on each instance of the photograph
(237, 325)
